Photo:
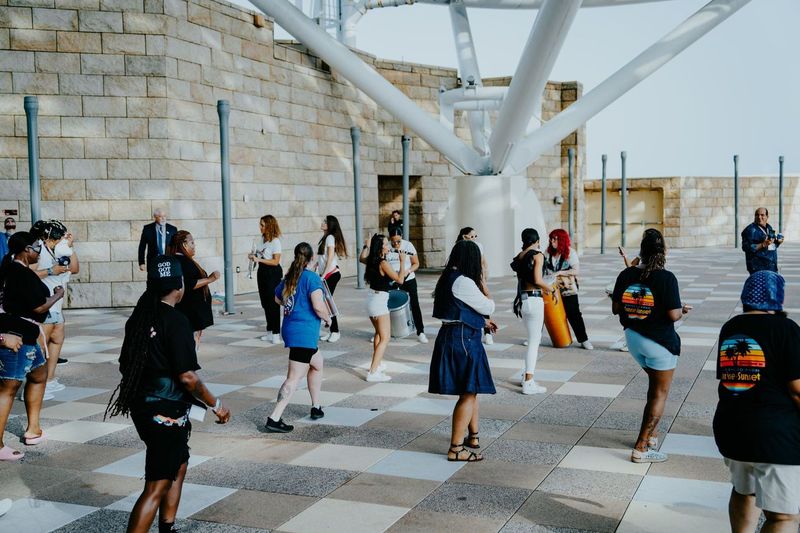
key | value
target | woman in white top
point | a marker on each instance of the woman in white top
(331, 248)
(268, 257)
(56, 263)
(409, 285)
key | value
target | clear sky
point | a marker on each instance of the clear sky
(737, 90)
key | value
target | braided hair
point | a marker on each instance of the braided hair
(143, 324)
(303, 253)
(653, 252)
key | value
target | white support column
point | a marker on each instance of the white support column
(351, 67)
(468, 66)
(538, 57)
(707, 18)
(352, 11)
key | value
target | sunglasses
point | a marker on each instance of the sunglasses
(37, 247)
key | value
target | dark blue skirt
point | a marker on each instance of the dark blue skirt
(459, 364)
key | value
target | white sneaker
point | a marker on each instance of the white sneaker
(531, 387)
(276, 338)
(524, 343)
(54, 386)
(333, 337)
(650, 456)
(266, 338)
(377, 377)
(422, 338)
(47, 396)
(586, 345)
(620, 345)
(372, 339)
(5, 506)
(324, 335)
(488, 339)
(382, 367)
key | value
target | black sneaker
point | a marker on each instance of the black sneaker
(316, 412)
(62, 361)
(278, 427)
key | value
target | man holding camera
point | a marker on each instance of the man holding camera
(760, 243)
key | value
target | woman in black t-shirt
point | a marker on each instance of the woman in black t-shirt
(648, 303)
(196, 302)
(159, 386)
(28, 299)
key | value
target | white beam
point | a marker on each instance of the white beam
(352, 68)
(707, 18)
(502, 4)
(538, 57)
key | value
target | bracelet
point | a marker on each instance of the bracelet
(50, 271)
(216, 406)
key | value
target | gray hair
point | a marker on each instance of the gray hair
(158, 211)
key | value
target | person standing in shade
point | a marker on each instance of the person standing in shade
(155, 238)
(395, 223)
(760, 243)
(648, 303)
(469, 234)
(159, 387)
(331, 248)
(529, 305)
(269, 274)
(757, 421)
(459, 365)
(562, 261)
(301, 296)
(196, 300)
(398, 244)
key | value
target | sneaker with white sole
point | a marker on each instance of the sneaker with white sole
(586, 345)
(620, 345)
(377, 377)
(488, 339)
(333, 337)
(531, 387)
(649, 456)
(422, 338)
(276, 338)
(266, 338)
(54, 386)
(324, 335)
(5, 506)
(524, 343)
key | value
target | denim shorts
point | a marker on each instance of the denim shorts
(54, 317)
(17, 365)
(648, 353)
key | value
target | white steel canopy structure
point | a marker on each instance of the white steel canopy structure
(517, 138)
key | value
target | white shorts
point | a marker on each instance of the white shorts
(377, 303)
(776, 487)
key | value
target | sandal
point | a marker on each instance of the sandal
(474, 441)
(458, 449)
(32, 441)
(10, 454)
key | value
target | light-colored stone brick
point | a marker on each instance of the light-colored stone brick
(104, 106)
(150, 189)
(63, 190)
(129, 169)
(92, 5)
(17, 61)
(15, 17)
(33, 39)
(147, 107)
(102, 64)
(127, 294)
(126, 210)
(153, 149)
(55, 19)
(85, 169)
(114, 43)
(32, 3)
(126, 127)
(106, 148)
(58, 148)
(100, 21)
(109, 271)
(109, 231)
(89, 210)
(122, 5)
(83, 127)
(107, 190)
(79, 42)
(59, 63)
(149, 24)
(125, 86)
(124, 251)
(145, 66)
(86, 295)
(81, 84)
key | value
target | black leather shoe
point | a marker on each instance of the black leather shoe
(316, 412)
(278, 427)
(62, 361)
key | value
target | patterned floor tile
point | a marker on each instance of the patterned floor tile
(417, 465)
(362, 517)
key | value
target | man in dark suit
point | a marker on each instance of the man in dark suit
(156, 236)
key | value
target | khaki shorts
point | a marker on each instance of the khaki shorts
(776, 487)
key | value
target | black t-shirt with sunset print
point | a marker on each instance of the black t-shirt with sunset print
(756, 419)
(644, 303)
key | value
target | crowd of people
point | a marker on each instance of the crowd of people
(758, 363)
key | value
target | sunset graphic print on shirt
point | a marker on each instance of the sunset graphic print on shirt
(637, 301)
(741, 361)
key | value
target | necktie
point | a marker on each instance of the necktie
(160, 233)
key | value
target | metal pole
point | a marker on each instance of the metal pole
(780, 194)
(224, 110)
(736, 201)
(406, 142)
(31, 104)
(570, 199)
(603, 207)
(355, 135)
(624, 197)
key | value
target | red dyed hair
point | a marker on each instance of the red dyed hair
(563, 243)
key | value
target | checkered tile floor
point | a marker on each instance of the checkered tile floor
(554, 462)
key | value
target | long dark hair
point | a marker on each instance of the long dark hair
(143, 324)
(465, 257)
(303, 253)
(16, 244)
(336, 230)
(372, 272)
(652, 252)
(463, 232)
(177, 246)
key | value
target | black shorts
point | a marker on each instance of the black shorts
(301, 355)
(167, 445)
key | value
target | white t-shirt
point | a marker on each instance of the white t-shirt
(47, 260)
(393, 257)
(322, 259)
(268, 250)
(468, 292)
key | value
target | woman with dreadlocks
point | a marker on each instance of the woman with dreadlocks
(159, 387)
(196, 302)
(304, 307)
(648, 303)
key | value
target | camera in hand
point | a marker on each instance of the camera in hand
(63, 261)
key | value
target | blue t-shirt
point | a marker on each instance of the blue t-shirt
(300, 328)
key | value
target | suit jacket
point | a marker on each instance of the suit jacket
(149, 241)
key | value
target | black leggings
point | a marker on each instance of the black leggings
(575, 317)
(332, 281)
(410, 286)
(268, 278)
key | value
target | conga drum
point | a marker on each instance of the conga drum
(555, 319)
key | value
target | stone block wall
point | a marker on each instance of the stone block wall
(128, 122)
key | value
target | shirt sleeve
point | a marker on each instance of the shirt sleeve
(573, 260)
(750, 239)
(180, 346)
(276, 246)
(672, 295)
(330, 242)
(313, 283)
(468, 292)
(620, 286)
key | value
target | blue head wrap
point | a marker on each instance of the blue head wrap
(763, 291)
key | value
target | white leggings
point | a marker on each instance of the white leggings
(533, 317)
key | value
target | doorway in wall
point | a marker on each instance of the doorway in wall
(390, 197)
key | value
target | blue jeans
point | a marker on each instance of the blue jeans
(17, 365)
(648, 353)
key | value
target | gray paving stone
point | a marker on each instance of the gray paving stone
(528, 452)
(477, 500)
(590, 484)
(569, 410)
